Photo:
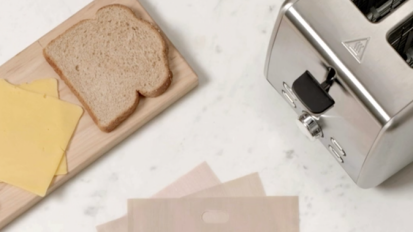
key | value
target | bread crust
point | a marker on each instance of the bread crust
(124, 115)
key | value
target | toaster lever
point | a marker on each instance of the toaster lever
(312, 94)
(331, 77)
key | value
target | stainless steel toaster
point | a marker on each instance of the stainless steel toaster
(346, 68)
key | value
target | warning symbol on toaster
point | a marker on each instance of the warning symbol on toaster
(357, 47)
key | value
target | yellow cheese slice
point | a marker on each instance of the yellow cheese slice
(43, 86)
(35, 130)
(48, 87)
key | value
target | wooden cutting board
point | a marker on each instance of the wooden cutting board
(88, 142)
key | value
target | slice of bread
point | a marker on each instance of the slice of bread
(108, 61)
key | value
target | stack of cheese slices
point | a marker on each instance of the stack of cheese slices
(35, 130)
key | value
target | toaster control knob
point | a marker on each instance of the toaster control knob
(309, 126)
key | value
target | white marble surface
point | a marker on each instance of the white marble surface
(234, 120)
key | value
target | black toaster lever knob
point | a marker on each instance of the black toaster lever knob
(312, 94)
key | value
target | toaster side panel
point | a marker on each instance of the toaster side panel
(348, 122)
(392, 151)
(285, 6)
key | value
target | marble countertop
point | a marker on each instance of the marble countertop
(234, 120)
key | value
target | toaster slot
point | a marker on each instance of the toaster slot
(401, 39)
(375, 10)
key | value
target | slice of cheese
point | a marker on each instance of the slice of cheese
(43, 86)
(50, 88)
(35, 130)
